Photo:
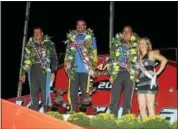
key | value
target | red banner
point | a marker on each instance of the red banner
(165, 98)
(101, 98)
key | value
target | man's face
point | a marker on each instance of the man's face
(81, 26)
(38, 34)
(127, 33)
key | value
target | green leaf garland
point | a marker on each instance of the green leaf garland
(70, 52)
(116, 53)
(30, 54)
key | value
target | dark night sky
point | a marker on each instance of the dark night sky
(156, 20)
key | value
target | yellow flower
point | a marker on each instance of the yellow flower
(131, 77)
(48, 70)
(118, 54)
(84, 50)
(133, 38)
(157, 117)
(27, 50)
(146, 119)
(114, 73)
(135, 44)
(87, 37)
(43, 53)
(132, 71)
(75, 118)
(28, 62)
(133, 51)
(116, 67)
(134, 59)
(72, 39)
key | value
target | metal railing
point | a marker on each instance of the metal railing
(19, 90)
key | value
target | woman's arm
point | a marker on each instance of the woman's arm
(160, 58)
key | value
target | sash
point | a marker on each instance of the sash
(87, 63)
(124, 65)
(39, 56)
(148, 74)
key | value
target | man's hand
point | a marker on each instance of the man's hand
(52, 77)
(92, 74)
(67, 66)
(66, 70)
(111, 80)
(22, 78)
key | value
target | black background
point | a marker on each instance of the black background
(156, 20)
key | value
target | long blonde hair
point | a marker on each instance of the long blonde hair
(148, 42)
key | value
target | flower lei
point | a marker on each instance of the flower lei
(30, 56)
(70, 52)
(116, 53)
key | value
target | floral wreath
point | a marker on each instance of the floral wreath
(70, 52)
(116, 53)
(31, 54)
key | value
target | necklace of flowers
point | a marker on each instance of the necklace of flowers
(70, 53)
(116, 53)
(39, 55)
(31, 54)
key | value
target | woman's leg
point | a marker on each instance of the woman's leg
(142, 105)
(150, 101)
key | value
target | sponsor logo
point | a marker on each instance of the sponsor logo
(103, 67)
(102, 109)
(169, 114)
(103, 85)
